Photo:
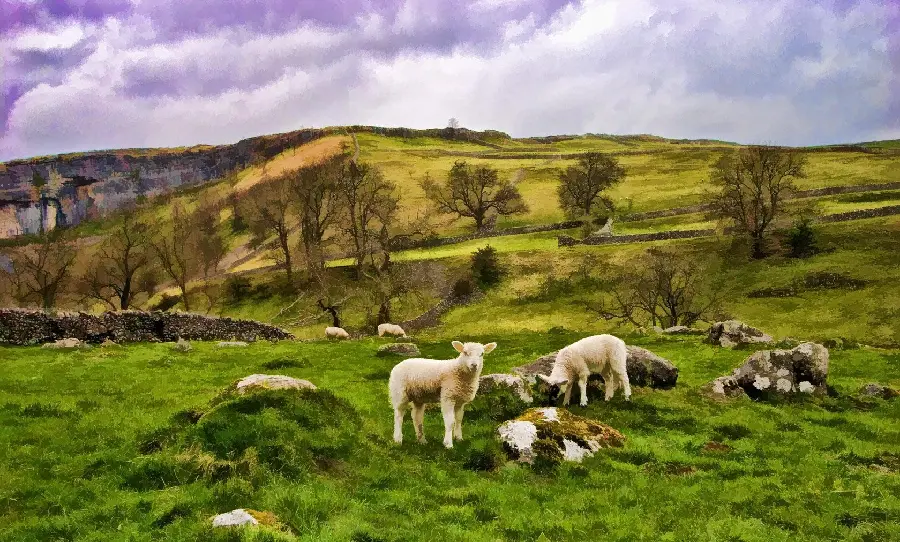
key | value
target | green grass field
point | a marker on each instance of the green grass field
(74, 425)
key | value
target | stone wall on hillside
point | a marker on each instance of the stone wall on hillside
(406, 244)
(27, 327)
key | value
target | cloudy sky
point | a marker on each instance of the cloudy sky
(92, 74)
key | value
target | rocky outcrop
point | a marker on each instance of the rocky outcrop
(768, 373)
(235, 518)
(513, 383)
(875, 390)
(82, 186)
(232, 344)
(731, 333)
(409, 350)
(272, 382)
(552, 435)
(644, 369)
(682, 330)
(27, 327)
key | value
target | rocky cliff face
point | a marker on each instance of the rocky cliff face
(42, 193)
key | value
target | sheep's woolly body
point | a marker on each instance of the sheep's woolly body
(603, 354)
(336, 332)
(453, 383)
(390, 329)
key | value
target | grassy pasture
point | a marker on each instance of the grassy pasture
(75, 425)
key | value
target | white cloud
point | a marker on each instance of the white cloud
(688, 69)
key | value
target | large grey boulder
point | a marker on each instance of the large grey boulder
(803, 369)
(731, 333)
(514, 383)
(554, 435)
(272, 382)
(644, 369)
(682, 330)
(409, 350)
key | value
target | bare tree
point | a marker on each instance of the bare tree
(752, 186)
(367, 201)
(40, 271)
(472, 192)
(209, 246)
(581, 186)
(173, 248)
(315, 191)
(270, 210)
(667, 289)
(453, 123)
(122, 268)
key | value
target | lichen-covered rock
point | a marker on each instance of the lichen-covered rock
(182, 346)
(553, 435)
(682, 330)
(272, 382)
(66, 344)
(731, 333)
(643, 366)
(803, 369)
(409, 350)
(110, 344)
(231, 344)
(235, 518)
(874, 389)
(514, 383)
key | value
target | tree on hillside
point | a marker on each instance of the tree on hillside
(39, 271)
(238, 223)
(663, 288)
(174, 249)
(752, 185)
(123, 267)
(368, 202)
(270, 211)
(209, 245)
(315, 193)
(581, 186)
(472, 192)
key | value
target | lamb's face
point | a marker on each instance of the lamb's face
(472, 354)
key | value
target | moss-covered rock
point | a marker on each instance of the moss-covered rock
(551, 435)
(409, 350)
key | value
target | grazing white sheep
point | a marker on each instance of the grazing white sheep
(390, 329)
(452, 383)
(336, 333)
(604, 354)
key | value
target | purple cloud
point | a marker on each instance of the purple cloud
(174, 72)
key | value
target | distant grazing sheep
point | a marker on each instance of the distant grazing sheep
(390, 329)
(452, 383)
(604, 354)
(336, 333)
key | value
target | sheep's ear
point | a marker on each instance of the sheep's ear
(488, 348)
(458, 346)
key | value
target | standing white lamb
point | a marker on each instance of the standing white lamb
(452, 383)
(390, 329)
(336, 333)
(604, 354)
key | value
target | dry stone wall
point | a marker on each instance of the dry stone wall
(28, 327)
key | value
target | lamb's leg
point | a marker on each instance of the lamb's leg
(457, 427)
(448, 410)
(399, 413)
(609, 383)
(582, 385)
(626, 386)
(568, 395)
(418, 416)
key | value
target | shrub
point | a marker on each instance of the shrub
(238, 288)
(463, 287)
(486, 269)
(802, 239)
(166, 303)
